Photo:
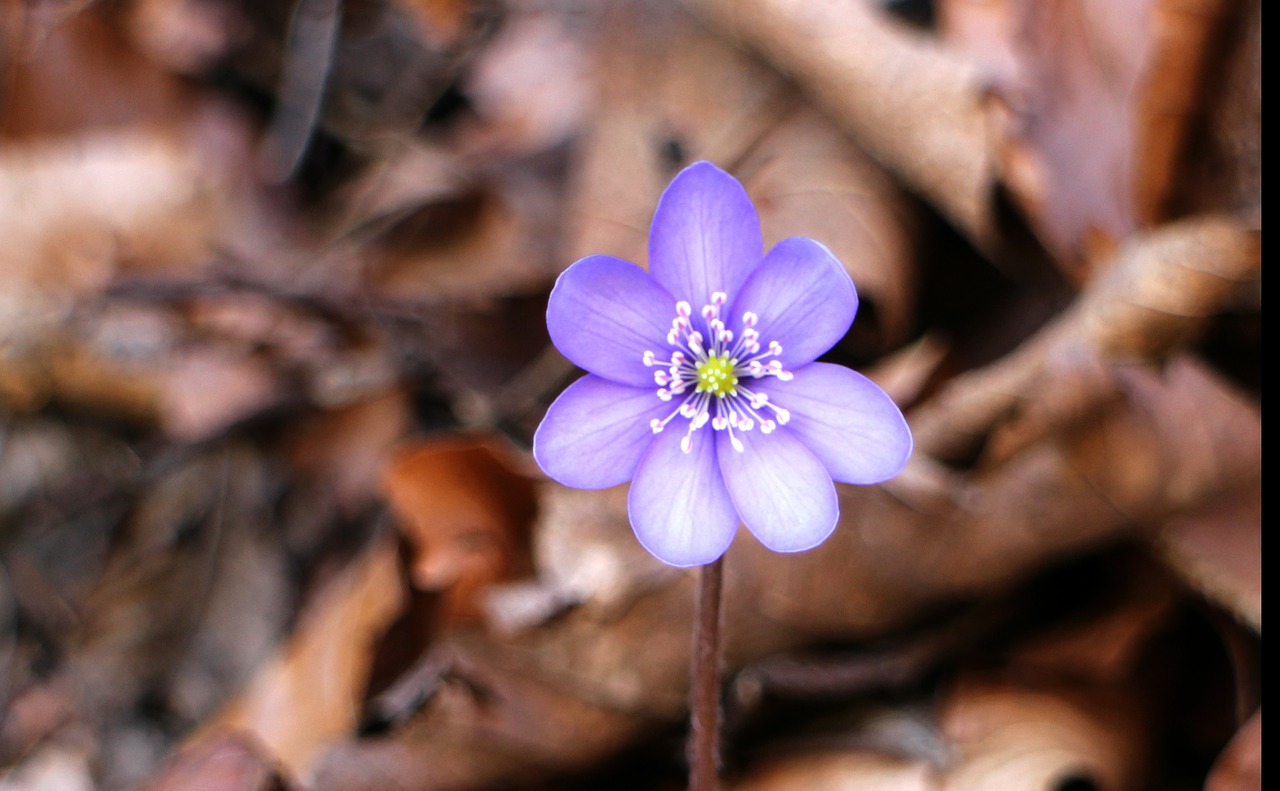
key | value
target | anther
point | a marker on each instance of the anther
(650, 359)
(683, 309)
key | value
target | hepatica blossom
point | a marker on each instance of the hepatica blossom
(701, 385)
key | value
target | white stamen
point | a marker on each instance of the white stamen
(700, 367)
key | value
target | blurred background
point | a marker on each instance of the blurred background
(273, 277)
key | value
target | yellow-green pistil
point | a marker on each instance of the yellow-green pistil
(716, 376)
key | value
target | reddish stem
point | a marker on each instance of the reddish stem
(704, 704)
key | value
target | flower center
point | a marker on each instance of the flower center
(716, 375)
(708, 371)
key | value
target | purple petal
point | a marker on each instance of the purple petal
(605, 313)
(705, 235)
(595, 433)
(783, 493)
(804, 298)
(678, 505)
(848, 422)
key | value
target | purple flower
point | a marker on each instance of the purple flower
(702, 388)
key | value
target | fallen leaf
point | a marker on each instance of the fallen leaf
(466, 515)
(1239, 768)
(310, 694)
(1093, 103)
(1007, 736)
(840, 771)
(223, 762)
(1217, 549)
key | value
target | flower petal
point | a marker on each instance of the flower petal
(848, 422)
(804, 298)
(679, 508)
(595, 433)
(605, 313)
(705, 235)
(783, 493)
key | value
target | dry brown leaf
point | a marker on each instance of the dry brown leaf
(1217, 549)
(310, 695)
(839, 772)
(221, 762)
(1093, 102)
(70, 69)
(1239, 768)
(466, 515)
(1007, 736)
(1159, 291)
(910, 103)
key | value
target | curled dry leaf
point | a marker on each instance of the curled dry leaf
(1007, 736)
(466, 515)
(1158, 292)
(1093, 102)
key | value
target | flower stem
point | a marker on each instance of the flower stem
(704, 704)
